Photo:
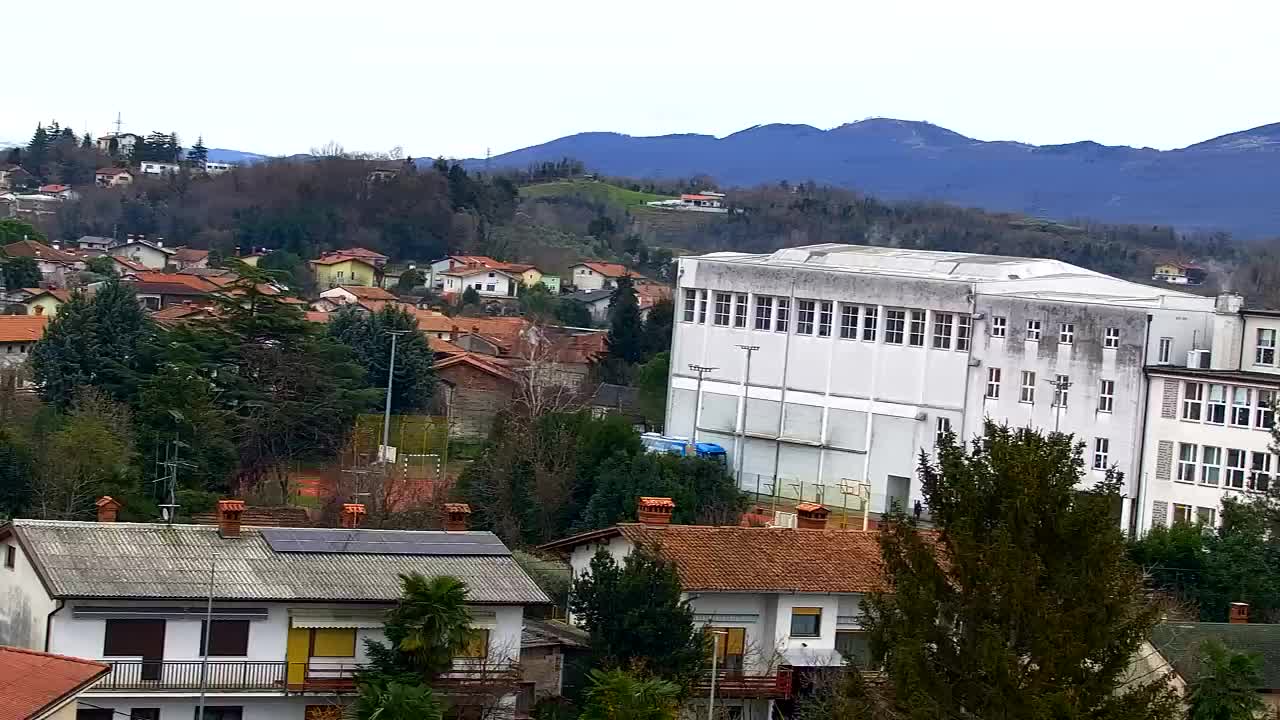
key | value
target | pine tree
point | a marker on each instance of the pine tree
(626, 329)
(367, 336)
(87, 141)
(37, 151)
(1023, 604)
(21, 272)
(198, 155)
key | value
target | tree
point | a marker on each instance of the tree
(92, 342)
(16, 469)
(37, 151)
(88, 457)
(658, 325)
(21, 272)
(1023, 604)
(704, 493)
(470, 296)
(409, 279)
(396, 701)
(637, 618)
(368, 336)
(287, 268)
(620, 695)
(13, 230)
(1226, 687)
(198, 155)
(651, 388)
(86, 142)
(626, 329)
(104, 265)
(572, 313)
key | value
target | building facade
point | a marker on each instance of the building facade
(859, 358)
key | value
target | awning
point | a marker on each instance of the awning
(807, 657)
(333, 620)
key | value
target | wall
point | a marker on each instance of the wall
(24, 603)
(344, 273)
(44, 305)
(152, 258)
(475, 399)
(584, 278)
(183, 708)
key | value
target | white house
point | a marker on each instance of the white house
(450, 263)
(291, 609)
(371, 298)
(155, 256)
(488, 282)
(775, 599)
(118, 145)
(156, 167)
(94, 243)
(861, 357)
(112, 177)
(1208, 428)
(597, 275)
(217, 168)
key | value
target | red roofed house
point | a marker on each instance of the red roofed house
(474, 389)
(40, 686)
(40, 301)
(489, 282)
(54, 264)
(597, 275)
(184, 258)
(370, 298)
(18, 334)
(784, 598)
(334, 269)
(454, 262)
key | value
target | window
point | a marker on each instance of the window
(1181, 514)
(702, 306)
(490, 287)
(221, 712)
(1205, 516)
(1260, 472)
(804, 317)
(942, 330)
(144, 713)
(993, 383)
(1235, 469)
(942, 428)
(476, 644)
(1107, 396)
(806, 622)
(1216, 411)
(1028, 392)
(1186, 462)
(964, 330)
(849, 321)
(854, 647)
(764, 312)
(1265, 414)
(1061, 386)
(1241, 401)
(133, 638)
(894, 325)
(1265, 353)
(10, 556)
(824, 318)
(1210, 465)
(729, 645)
(869, 316)
(1066, 333)
(722, 309)
(1192, 400)
(739, 311)
(227, 638)
(1101, 448)
(784, 314)
(999, 326)
(1111, 338)
(1166, 346)
(916, 339)
(1033, 330)
(333, 642)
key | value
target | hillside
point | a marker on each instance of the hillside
(590, 191)
(1226, 183)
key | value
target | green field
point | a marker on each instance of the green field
(590, 190)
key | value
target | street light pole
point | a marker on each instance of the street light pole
(715, 653)
(208, 625)
(742, 411)
(697, 400)
(386, 415)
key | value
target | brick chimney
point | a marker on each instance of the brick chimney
(655, 510)
(456, 516)
(108, 508)
(352, 515)
(229, 512)
(1238, 613)
(811, 516)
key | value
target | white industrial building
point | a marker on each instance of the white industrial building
(861, 356)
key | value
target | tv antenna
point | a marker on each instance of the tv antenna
(119, 122)
(167, 482)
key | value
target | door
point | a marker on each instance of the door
(898, 490)
(151, 647)
(297, 654)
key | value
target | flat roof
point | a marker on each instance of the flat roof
(1039, 278)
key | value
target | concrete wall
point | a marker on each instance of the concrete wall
(24, 603)
(183, 708)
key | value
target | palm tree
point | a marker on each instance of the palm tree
(431, 624)
(396, 701)
(619, 695)
(1227, 686)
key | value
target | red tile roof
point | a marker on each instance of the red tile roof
(476, 361)
(55, 188)
(316, 316)
(608, 269)
(368, 293)
(334, 259)
(361, 253)
(195, 282)
(22, 328)
(33, 682)
(133, 265)
(39, 251)
(443, 347)
(469, 270)
(190, 255)
(111, 172)
(61, 295)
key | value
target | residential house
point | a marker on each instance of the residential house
(554, 657)
(1179, 273)
(473, 390)
(35, 206)
(154, 255)
(159, 290)
(186, 311)
(62, 192)
(18, 334)
(94, 243)
(778, 602)
(292, 609)
(157, 167)
(595, 301)
(335, 269)
(529, 275)
(41, 686)
(15, 177)
(123, 266)
(47, 302)
(488, 282)
(370, 298)
(217, 168)
(450, 263)
(597, 275)
(112, 177)
(621, 400)
(54, 263)
(119, 145)
(185, 258)
(372, 257)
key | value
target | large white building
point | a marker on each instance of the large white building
(861, 357)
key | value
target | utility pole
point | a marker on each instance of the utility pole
(715, 653)
(741, 450)
(208, 624)
(697, 401)
(386, 416)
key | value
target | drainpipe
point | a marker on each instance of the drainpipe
(1135, 525)
(48, 623)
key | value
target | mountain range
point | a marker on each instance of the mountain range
(1229, 183)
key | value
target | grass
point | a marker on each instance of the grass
(591, 190)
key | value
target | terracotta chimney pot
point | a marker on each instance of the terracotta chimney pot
(108, 509)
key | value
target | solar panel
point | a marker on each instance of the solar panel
(382, 542)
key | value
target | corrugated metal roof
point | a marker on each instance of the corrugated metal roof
(144, 560)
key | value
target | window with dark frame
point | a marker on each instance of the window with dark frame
(227, 638)
(999, 326)
(739, 311)
(764, 312)
(824, 318)
(10, 556)
(916, 337)
(806, 622)
(221, 712)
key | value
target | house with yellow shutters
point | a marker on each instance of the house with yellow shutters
(266, 622)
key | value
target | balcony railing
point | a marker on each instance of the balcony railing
(285, 677)
(737, 684)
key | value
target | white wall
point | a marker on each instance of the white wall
(183, 708)
(584, 278)
(24, 604)
(152, 258)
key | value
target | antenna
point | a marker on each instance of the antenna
(167, 483)
(118, 122)
(486, 159)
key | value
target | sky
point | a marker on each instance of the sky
(457, 79)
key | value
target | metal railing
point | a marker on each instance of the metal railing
(279, 675)
(737, 684)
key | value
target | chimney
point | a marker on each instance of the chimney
(352, 515)
(229, 512)
(108, 508)
(655, 510)
(456, 516)
(811, 516)
(1238, 613)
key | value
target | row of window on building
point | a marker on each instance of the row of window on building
(1218, 404)
(1223, 467)
(1061, 389)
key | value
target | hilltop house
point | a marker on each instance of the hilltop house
(94, 243)
(185, 258)
(157, 167)
(15, 177)
(18, 334)
(449, 263)
(779, 601)
(1179, 273)
(488, 282)
(292, 609)
(40, 301)
(597, 275)
(112, 177)
(118, 145)
(334, 269)
(153, 255)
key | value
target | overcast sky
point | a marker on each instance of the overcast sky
(454, 77)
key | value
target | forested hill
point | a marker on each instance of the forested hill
(1227, 183)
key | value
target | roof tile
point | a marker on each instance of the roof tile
(32, 681)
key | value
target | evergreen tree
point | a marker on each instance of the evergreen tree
(86, 142)
(626, 329)
(37, 151)
(1226, 687)
(651, 389)
(470, 296)
(658, 325)
(637, 618)
(68, 134)
(704, 493)
(21, 272)
(619, 695)
(367, 334)
(198, 155)
(1023, 604)
(16, 468)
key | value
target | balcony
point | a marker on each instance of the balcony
(284, 677)
(737, 684)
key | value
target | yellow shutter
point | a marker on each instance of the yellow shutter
(806, 611)
(736, 640)
(477, 645)
(334, 642)
(299, 644)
